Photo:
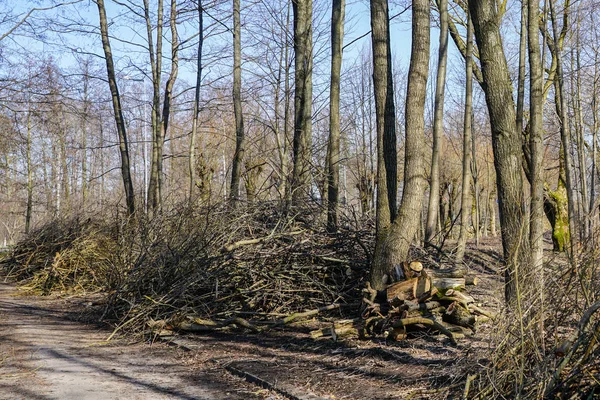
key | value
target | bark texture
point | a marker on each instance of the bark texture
(506, 141)
(302, 100)
(438, 124)
(238, 157)
(333, 153)
(394, 242)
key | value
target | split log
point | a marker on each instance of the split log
(423, 286)
(404, 290)
(411, 289)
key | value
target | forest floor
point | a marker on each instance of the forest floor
(47, 352)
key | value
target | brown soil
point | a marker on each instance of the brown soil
(48, 355)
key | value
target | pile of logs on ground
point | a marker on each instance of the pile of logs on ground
(424, 299)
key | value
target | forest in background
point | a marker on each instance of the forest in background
(143, 141)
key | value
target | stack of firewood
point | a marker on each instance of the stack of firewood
(423, 299)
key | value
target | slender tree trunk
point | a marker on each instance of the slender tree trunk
(394, 242)
(467, 146)
(438, 124)
(580, 136)
(157, 142)
(238, 157)
(594, 106)
(302, 101)
(564, 129)
(536, 166)
(29, 209)
(337, 38)
(196, 112)
(118, 111)
(84, 133)
(522, 61)
(168, 96)
(506, 141)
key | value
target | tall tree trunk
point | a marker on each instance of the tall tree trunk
(118, 110)
(467, 146)
(157, 141)
(302, 101)
(564, 128)
(168, 96)
(84, 133)
(337, 39)
(394, 242)
(238, 157)
(579, 121)
(522, 61)
(196, 112)
(29, 209)
(438, 124)
(536, 167)
(383, 87)
(506, 141)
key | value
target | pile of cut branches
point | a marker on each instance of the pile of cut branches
(223, 263)
(74, 254)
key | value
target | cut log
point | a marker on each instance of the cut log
(337, 330)
(416, 266)
(423, 286)
(456, 294)
(471, 280)
(447, 273)
(428, 322)
(458, 315)
(404, 290)
(478, 310)
(448, 283)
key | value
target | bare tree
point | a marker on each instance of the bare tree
(238, 156)
(118, 110)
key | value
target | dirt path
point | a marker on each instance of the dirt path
(44, 354)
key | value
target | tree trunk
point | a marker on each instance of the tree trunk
(535, 285)
(168, 97)
(157, 140)
(522, 54)
(196, 112)
(333, 153)
(383, 87)
(118, 110)
(438, 124)
(29, 209)
(506, 141)
(564, 129)
(302, 101)
(393, 243)
(238, 157)
(467, 147)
